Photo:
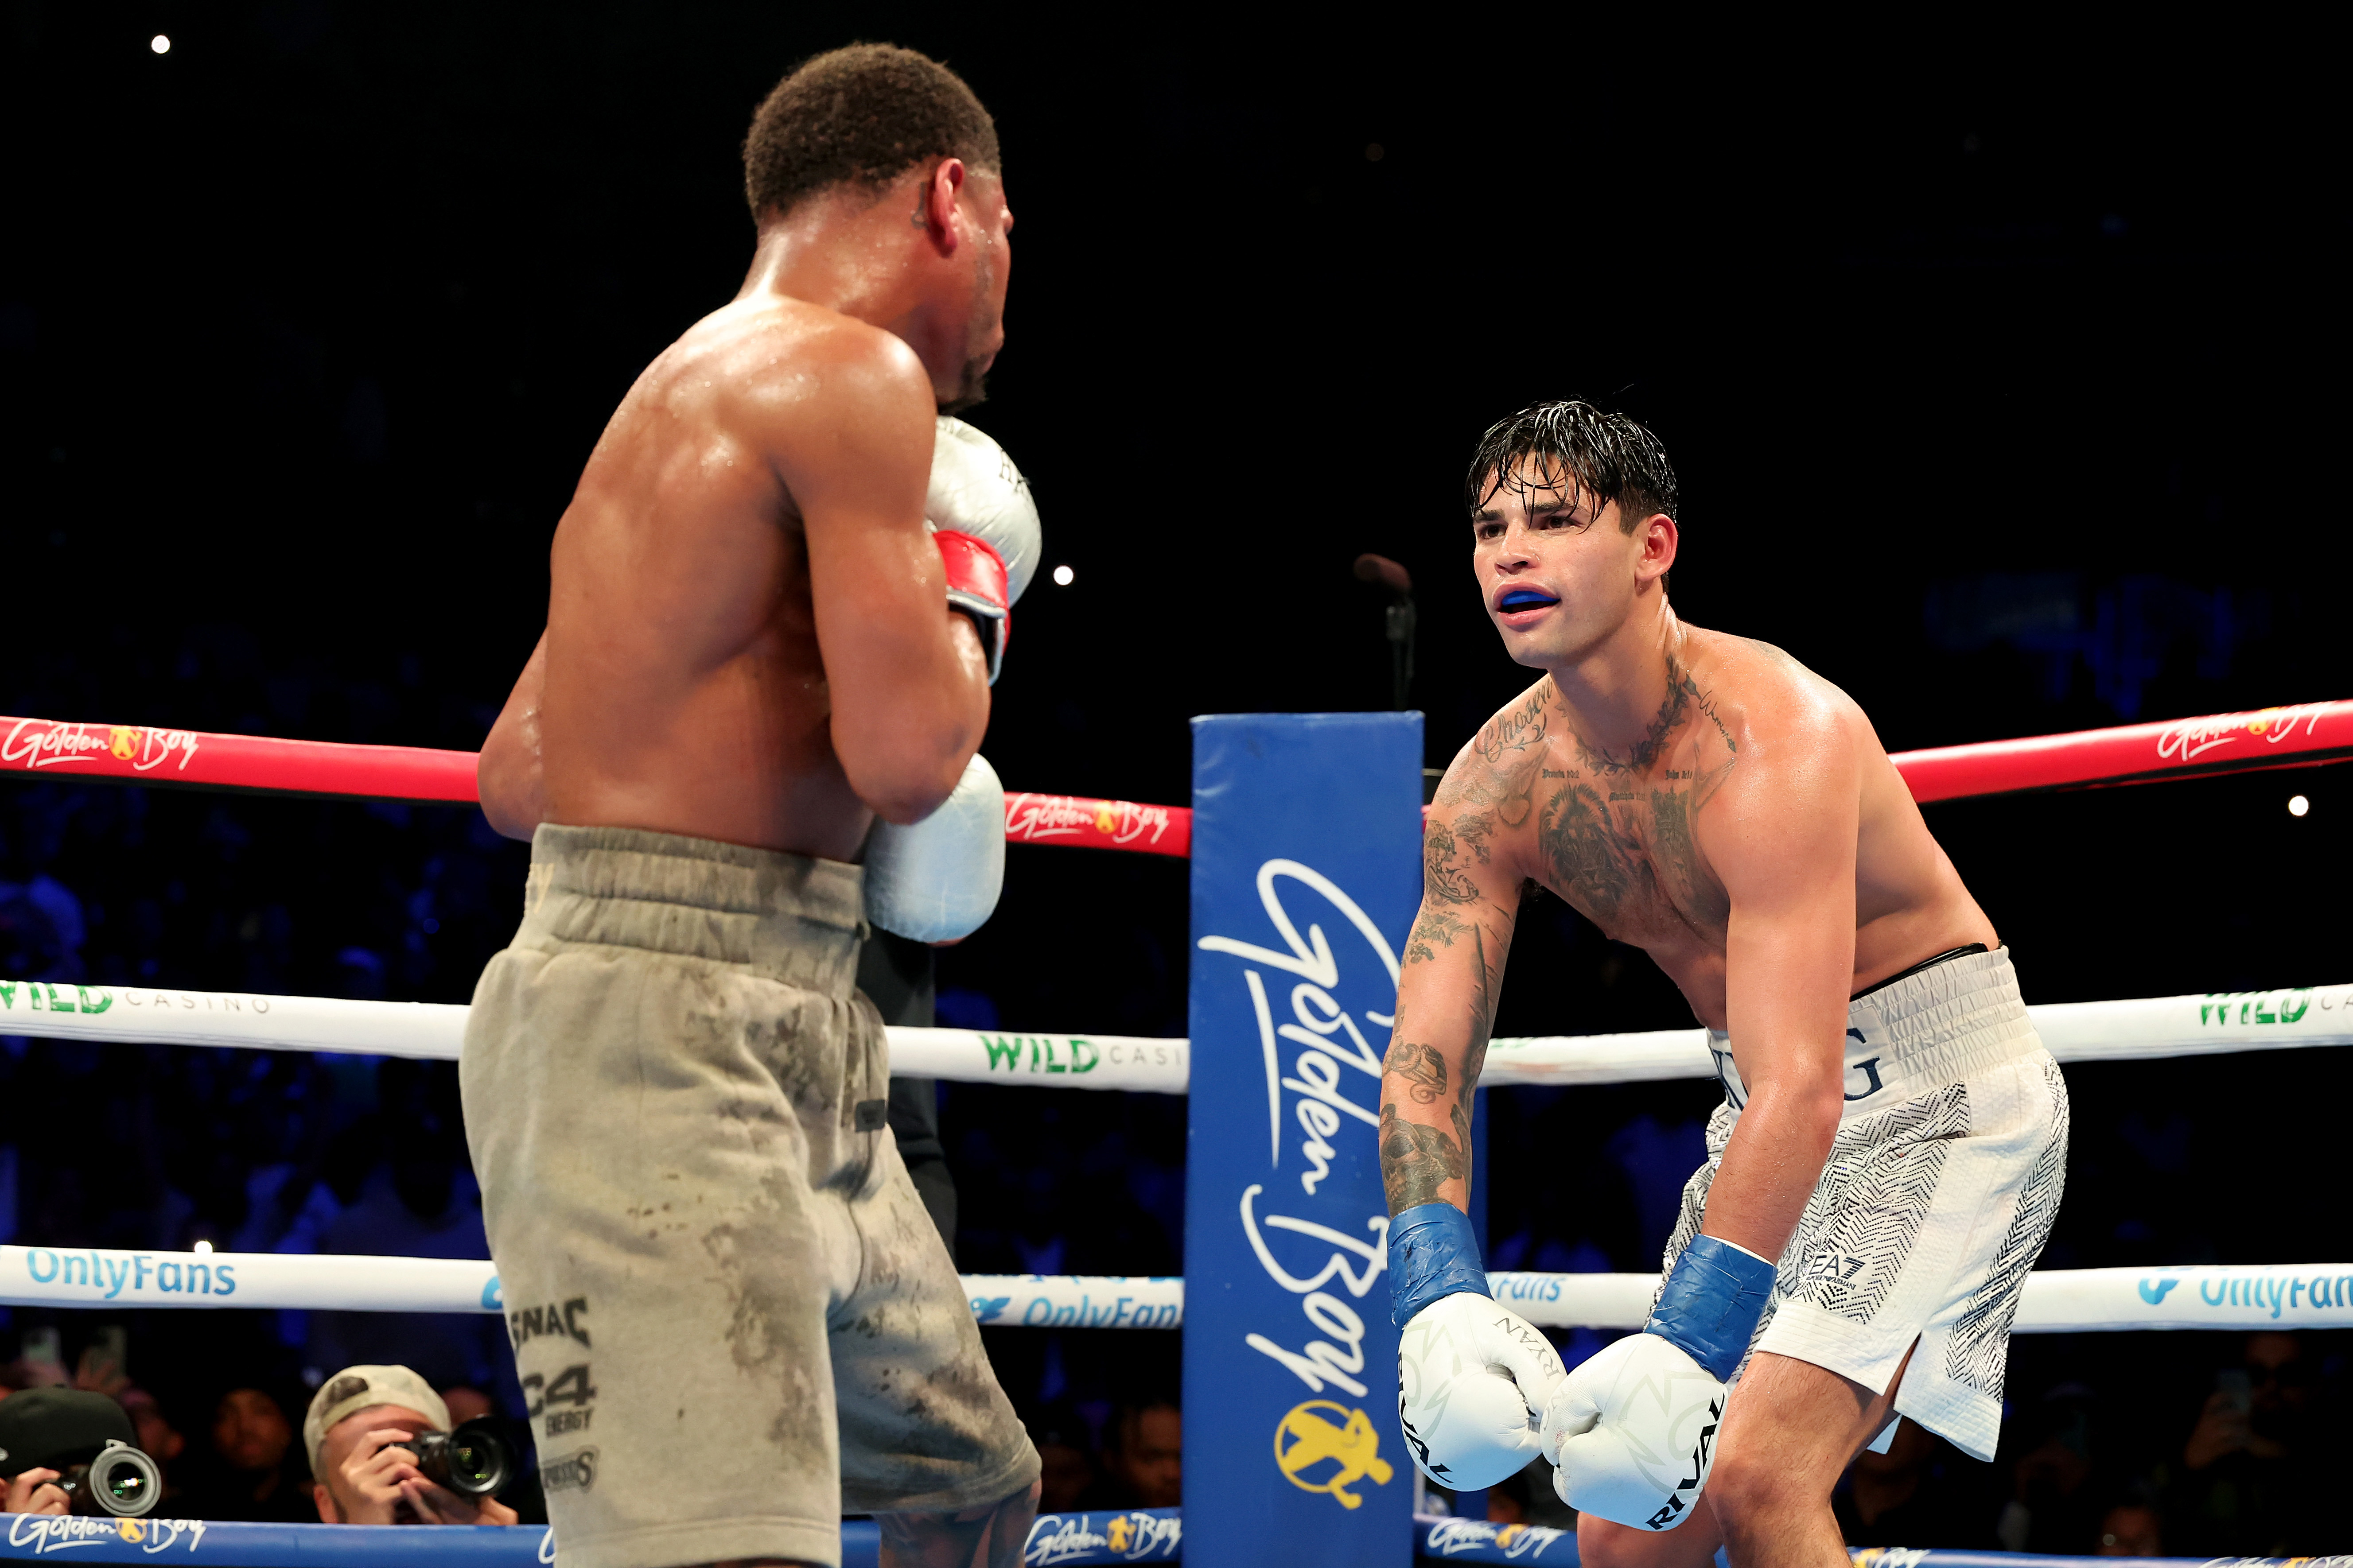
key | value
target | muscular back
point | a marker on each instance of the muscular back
(748, 638)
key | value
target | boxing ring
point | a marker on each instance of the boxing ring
(2313, 1295)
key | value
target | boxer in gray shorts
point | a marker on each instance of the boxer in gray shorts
(748, 732)
(705, 1238)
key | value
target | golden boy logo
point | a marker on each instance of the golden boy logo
(1338, 1445)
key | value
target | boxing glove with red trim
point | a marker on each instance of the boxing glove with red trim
(985, 525)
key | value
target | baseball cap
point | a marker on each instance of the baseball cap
(54, 1427)
(355, 1389)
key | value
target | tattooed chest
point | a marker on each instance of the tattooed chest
(1621, 851)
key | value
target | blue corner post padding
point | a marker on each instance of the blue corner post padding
(1712, 1302)
(1432, 1254)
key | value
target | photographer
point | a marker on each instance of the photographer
(355, 1432)
(45, 1434)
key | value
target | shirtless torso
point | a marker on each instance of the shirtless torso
(1614, 834)
(749, 641)
(747, 638)
(1702, 796)
(1710, 800)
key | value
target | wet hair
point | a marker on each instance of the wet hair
(861, 115)
(1576, 448)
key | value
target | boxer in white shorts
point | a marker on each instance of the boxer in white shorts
(1893, 1144)
(1938, 1195)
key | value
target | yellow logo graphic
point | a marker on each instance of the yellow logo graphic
(1120, 1534)
(126, 744)
(1320, 1433)
(130, 1530)
(1106, 819)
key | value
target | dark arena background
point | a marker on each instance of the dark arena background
(2002, 369)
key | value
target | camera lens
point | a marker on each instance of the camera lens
(122, 1482)
(473, 1461)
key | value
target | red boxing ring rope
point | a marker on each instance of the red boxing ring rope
(132, 753)
(2307, 735)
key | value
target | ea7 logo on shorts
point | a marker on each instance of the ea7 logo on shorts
(1828, 1276)
(532, 1323)
(572, 1472)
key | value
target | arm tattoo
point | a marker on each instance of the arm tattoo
(1443, 874)
(1419, 1066)
(1434, 926)
(1483, 1012)
(1415, 1160)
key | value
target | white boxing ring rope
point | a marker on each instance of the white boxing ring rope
(2209, 1025)
(107, 1278)
(2054, 1301)
(2058, 1300)
(434, 1031)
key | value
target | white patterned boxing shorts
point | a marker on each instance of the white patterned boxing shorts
(1938, 1194)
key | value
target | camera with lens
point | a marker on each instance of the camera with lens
(122, 1480)
(472, 1461)
(85, 1437)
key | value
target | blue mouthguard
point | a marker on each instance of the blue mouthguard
(1520, 598)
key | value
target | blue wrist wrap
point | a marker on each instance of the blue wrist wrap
(1432, 1253)
(1711, 1303)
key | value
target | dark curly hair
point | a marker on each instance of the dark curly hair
(861, 115)
(1574, 446)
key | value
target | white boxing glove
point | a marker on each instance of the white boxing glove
(978, 496)
(1631, 1433)
(1473, 1377)
(938, 879)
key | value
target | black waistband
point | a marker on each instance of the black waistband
(1944, 957)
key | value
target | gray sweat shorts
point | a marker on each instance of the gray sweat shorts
(731, 1313)
(1940, 1189)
